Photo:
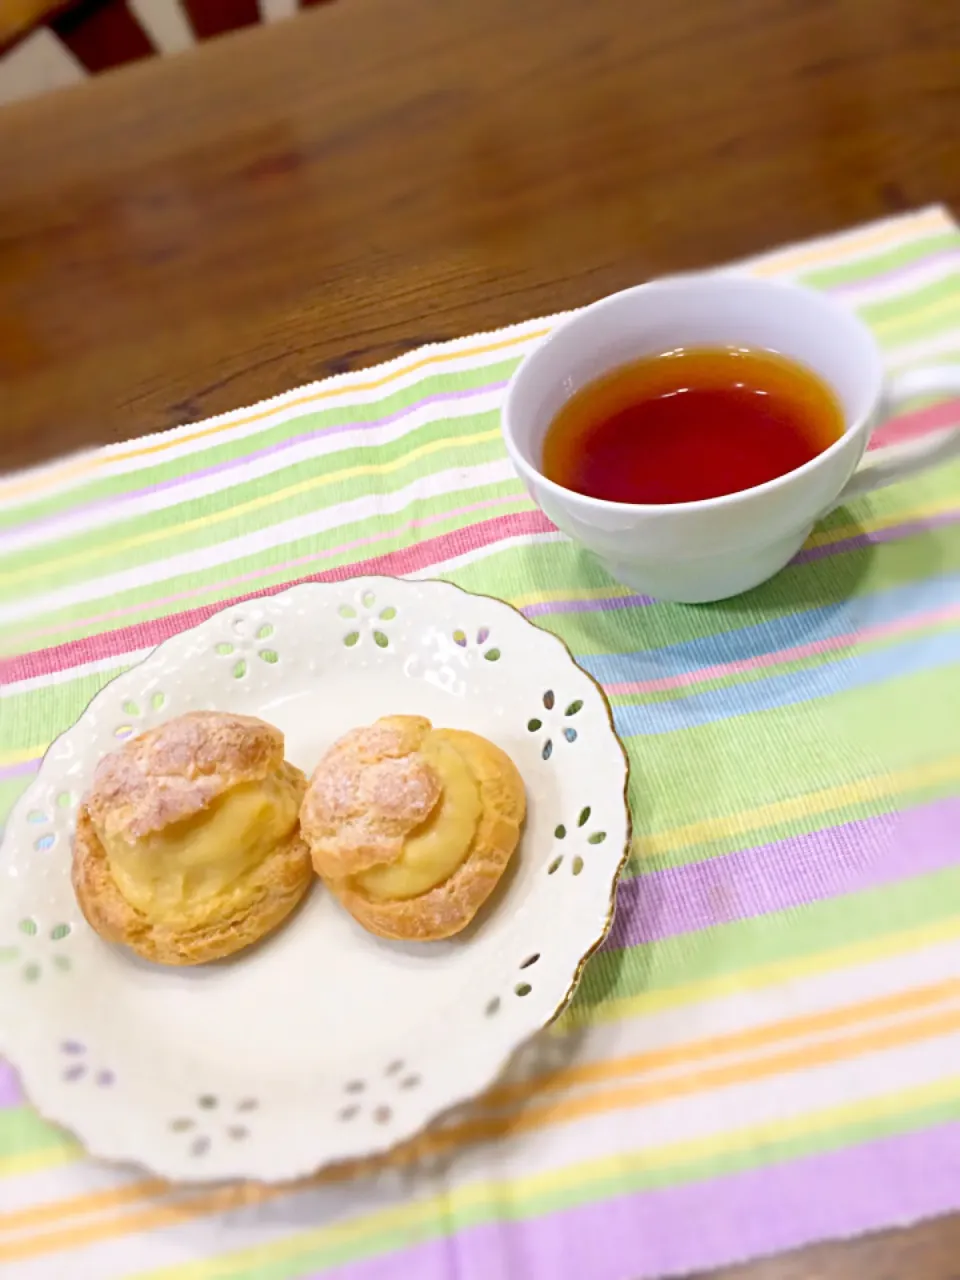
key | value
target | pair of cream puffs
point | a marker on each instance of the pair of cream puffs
(198, 838)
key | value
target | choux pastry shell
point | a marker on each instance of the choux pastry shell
(187, 846)
(412, 827)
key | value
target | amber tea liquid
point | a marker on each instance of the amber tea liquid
(690, 424)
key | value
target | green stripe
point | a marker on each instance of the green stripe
(772, 832)
(23, 1133)
(37, 717)
(754, 675)
(51, 564)
(740, 762)
(919, 328)
(907, 310)
(728, 949)
(206, 586)
(229, 447)
(863, 270)
(722, 768)
(797, 590)
(513, 1204)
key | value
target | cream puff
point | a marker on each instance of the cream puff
(412, 827)
(188, 844)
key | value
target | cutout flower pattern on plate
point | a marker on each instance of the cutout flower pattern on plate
(176, 1103)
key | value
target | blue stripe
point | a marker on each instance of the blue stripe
(851, 672)
(775, 634)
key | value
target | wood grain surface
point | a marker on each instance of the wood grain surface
(187, 235)
(191, 234)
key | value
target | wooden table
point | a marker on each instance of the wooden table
(189, 235)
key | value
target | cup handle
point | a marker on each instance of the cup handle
(902, 460)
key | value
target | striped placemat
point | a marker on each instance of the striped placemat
(766, 1050)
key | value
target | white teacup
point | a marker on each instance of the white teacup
(698, 551)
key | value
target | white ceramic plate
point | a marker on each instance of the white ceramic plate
(323, 1043)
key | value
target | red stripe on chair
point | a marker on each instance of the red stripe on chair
(214, 17)
(102, 34)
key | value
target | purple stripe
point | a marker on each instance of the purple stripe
(945, 257)
(20, 770)
(585, 606)
(10, 1093)
(849, 858)
(893, 533)
(106, 504)
(699, 1225)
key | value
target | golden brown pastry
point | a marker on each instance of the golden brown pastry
(188, 846)
(412, 827)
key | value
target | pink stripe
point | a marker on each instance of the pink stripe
(133, 496)
(907, 427)
(286, 565)
(116, 644)
(911, 426)
(827, 645)
(905, 273)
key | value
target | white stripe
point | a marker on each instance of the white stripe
(346, 384)
(135, 504)
(628, 1132)
(165, 23)
(457, 480)
(672, 1120)
(279, 410)
(924, 351)
(900, 284)
(66, 674)
(115, 664)
(481, 553)
(80, 1177)
(903, 448)
(919, 224)
(62, 524)
(910, 226)
(36, 65)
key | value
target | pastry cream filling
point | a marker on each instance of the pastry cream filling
(433, 851)
(174, 873)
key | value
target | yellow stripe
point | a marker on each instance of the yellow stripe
(19, 1166)
(837, 534)
(256, 504)
(675, 1055)
(742, 1041)
(721, 826)
(84, 466)
(415, 1217)
(767, 975)
(780, 971)
(684, 1054)
(536, 1117)
(786, 260)
(803, 257)
(785, 971)
(564, 593)
(21, 754)
(824, 538)
(929, 312)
